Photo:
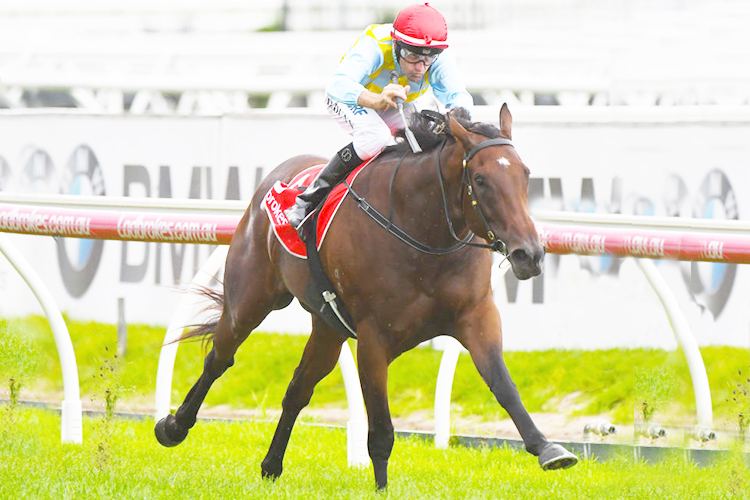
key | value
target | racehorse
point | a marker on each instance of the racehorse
(462, 198)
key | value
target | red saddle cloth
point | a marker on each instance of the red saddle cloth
(282, 196)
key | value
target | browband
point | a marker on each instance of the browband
(489, 142)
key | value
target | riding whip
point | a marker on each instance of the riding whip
(409, 134)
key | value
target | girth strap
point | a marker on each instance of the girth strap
(330, 308)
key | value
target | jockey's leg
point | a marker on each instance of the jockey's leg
(341, 164)
(370, 136)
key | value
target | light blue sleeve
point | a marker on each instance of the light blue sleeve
(362, 60)
(448, 86)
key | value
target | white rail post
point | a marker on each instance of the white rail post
(356, 427)
(71, 410)
(443, 388)
(685, 338)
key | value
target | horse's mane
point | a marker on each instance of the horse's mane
(432, 128)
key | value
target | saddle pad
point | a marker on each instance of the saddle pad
(281, 196)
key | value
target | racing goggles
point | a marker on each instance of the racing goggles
(414, 58)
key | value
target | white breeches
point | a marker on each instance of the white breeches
(370, 129)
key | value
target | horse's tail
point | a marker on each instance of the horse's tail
(205, 331)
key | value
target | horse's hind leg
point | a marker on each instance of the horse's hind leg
(245, 306)
(319, 358)
(173, 429)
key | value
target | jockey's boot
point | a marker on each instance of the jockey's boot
(338, 167)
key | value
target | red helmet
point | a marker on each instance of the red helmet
(421, 26)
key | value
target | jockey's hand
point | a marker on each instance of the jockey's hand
(384, 100)
(391, 92)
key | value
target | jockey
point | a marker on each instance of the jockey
(362, 99)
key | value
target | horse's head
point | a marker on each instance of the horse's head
(495, 197)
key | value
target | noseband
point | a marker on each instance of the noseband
(496, 245)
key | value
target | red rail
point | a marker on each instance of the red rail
(558, 238)
(682, 244)
(118, 225)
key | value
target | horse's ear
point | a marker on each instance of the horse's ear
(506, 122)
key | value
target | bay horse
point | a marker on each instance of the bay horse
(463, 197)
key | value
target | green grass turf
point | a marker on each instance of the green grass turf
(612, 382)
(121, 459)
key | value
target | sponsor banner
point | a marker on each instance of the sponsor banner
(669, 167)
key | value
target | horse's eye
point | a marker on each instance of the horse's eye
(479, 180)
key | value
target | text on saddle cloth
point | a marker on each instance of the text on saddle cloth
(282, 196)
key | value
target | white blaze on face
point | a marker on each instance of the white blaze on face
(503, 161)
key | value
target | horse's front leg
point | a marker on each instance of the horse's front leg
(372, 366)
(481, 333)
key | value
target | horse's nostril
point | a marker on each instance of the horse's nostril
(520, 256)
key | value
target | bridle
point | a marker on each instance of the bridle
(495, 245)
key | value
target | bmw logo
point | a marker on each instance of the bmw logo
(79, 258)
(710, 283)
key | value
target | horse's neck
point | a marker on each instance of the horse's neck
(418, 196)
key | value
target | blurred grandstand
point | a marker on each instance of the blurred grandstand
(225, 56)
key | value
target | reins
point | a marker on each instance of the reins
(399, 233)
(497, 245)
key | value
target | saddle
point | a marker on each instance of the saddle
(281, 196)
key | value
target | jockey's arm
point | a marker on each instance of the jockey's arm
(360, 61)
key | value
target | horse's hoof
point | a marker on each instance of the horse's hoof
(381, 474)
(163, 434)
(269, 472)
(554, 456)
